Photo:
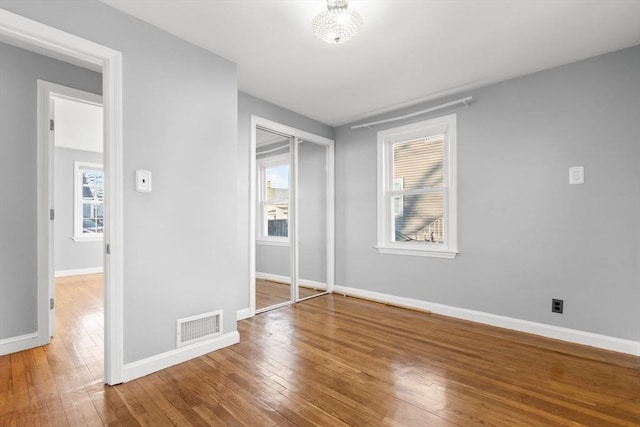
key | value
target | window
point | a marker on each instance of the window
(88, 218)
(417, 213)
(273, 210)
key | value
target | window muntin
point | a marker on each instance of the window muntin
(273, 175)
(416, 194)
(88, 201)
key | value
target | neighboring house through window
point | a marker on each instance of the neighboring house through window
(273, 210)
(417, 212)
(88, 215)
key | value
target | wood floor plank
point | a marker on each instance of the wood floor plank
(149, 385)
(142, 406)
(216, 415)
(244, 398)
(328, 361)
(269, 292)
(269, 391)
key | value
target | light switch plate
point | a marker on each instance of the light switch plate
(143, 181)
(576, 175)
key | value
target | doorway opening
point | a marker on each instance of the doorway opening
(76, 179)
(31, 35)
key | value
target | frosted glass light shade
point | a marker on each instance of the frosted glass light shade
(337, 24)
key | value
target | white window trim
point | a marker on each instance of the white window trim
(78, 235)
(261, 226)
(388, 137)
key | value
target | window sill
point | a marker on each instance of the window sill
(97, 238)
(433, 253)
(272, 242)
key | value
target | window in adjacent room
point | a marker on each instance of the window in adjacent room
(417, 213)
(88, 201)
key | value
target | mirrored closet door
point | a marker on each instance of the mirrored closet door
(292, 212)
(273, 252)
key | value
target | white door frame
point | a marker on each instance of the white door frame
(46, 92)
(32, 35)
(297, 135)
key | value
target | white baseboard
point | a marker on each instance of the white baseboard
(312, 284)
(243, 313)
(557, 332)
(273, 277)
(19, 343)
(286, 279)
(78, 272)
(140, 368)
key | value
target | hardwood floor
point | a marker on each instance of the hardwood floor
(270, 293)
(329, 361)
(61, 383)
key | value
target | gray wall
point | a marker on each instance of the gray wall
(69, 254)
(273, 259)
(526, 236)
(180, 122)
(19, 72)
(312, 211)
(248, 106)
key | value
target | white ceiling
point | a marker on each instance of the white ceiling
(408, 51)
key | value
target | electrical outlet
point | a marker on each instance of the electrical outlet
(557, 305)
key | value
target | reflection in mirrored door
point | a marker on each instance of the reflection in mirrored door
(273, 231)
(292, 213)
(311, 215)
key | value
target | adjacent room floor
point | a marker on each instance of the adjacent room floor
(330, 360)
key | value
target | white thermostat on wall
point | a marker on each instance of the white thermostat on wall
(143, 181)
(576, 175)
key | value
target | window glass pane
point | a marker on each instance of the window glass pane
(277, 215)
(86, 210)
(398, 202)
(419, 164)
(92, 218)
(277, 183)
(92, 185)
(398, 184)
(422, 218)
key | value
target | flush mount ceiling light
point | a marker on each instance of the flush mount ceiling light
(337, 24)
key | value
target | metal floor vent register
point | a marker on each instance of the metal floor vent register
(198, 328)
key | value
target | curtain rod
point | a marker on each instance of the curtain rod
(464, 101)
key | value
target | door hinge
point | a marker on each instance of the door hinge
(52, 303)
(52, 214)
(108, 249)
(51, 124)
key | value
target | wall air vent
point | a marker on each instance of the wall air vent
(198, 328)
